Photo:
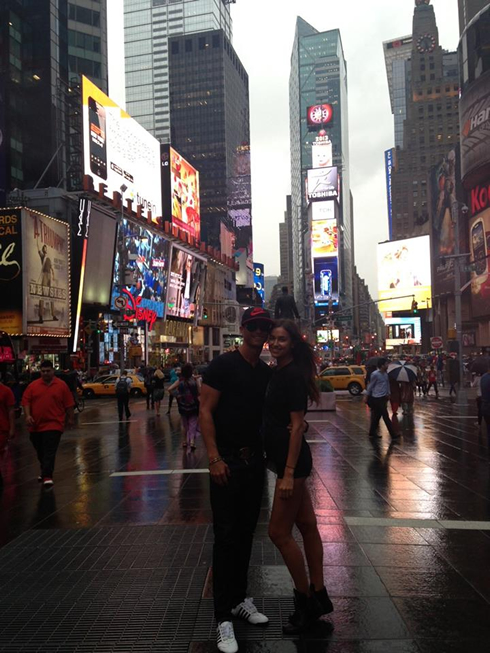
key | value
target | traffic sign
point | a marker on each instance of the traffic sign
(343, 318)
(436, 342)
(120, 302)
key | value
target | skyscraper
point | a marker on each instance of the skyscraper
(468, 10)
(397, 52)
(318, 76)
(431, 127)
(148, 25)
(286, 246)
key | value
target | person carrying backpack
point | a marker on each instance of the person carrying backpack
(187, 393)
(123, 388)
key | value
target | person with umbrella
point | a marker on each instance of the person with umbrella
(377, 396)
(406, 375)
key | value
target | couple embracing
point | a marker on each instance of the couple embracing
(247, 407)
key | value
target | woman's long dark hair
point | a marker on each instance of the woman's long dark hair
(303, 356)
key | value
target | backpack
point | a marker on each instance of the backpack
(187, 398)
(122, 387)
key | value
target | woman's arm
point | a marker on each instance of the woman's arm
(286, 484)
(173, 386)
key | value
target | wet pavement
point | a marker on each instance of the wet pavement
(117, 556)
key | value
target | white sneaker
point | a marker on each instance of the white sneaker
(249, 612)
(226, 637)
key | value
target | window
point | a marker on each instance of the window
(342, 371)
(175, 47)
(188, 45)
(216, 41)
(202, 43)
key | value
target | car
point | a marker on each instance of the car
(106, 387)
(346, 377)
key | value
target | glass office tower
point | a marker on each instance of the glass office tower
(318, 75)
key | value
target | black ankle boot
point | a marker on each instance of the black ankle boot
(303, 615)
(322, 603)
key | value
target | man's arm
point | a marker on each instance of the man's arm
(11, 421)
(208, 403)
(26, 398)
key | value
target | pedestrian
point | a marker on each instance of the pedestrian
(48, 405)
(407, 397)
(174, 376)
(453, 373)
(159, 388)
(477, 384)
(432, 378)
(440, 370)
(395, 396)
(123, 390)
(421, 380)
(187, 393)
(7, 419)
(286, 308)
(149, 387)
(231, 408)
(293, 382)
(378, 393)
(485, 401)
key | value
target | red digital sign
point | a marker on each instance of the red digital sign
(138, 313)
(319, 114)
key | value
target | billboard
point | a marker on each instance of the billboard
(324, 336)
(389, 165)
(403, 331)
(180, 184)
(322, 152)
(239, 218)
(141, 268)
(259, 280)
(319, 114)
(185, 286)
(118, 151)
(474, 111)
(46, 274)
(323, 183)
(404, 270)
(479, 237)
(326, 280)
(324, 238)
(11, 271)
(323, 210)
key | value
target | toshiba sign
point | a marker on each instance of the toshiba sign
(475, 130)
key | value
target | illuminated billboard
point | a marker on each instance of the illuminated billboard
(322, 153)
(404, 273)
(324, 238)
(185, 285)
(319, 114)
(11, 289)
(184, 188)
(326, 280)
(323, 210)
(118, 151)
(403, 331)
(479, 248)
(259, 280)
(323, 183)
(324, 336)
(389, 165)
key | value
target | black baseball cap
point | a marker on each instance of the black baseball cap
(255, 314)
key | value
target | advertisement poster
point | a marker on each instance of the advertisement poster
(323, 183)
(324, 336)
(322, 153)
(186, 285)
(319, 114)
(404, 273)
(239, 187)
(475, 119)
(259, 280)
(141, 267)
(323, 210)
(118, 151)
(324, 238)
(46, 255)
(389, 165)
(479, 249)
(11, 271)
(326, 280)
(403, 331)
(184, 184)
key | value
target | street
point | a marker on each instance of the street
(116, 556)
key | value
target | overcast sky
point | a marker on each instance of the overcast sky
(263, 38)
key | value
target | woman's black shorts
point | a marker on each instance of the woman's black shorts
(277, 448)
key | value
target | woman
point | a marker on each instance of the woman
(187, 393)
(294, 382)
(174, 376)
(158, 388)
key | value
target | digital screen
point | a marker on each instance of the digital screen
(323, 183)
(403, 331)
(319, 114)
(322, 153)
(323, 210)
(184, 185)
(324, 238)
(324, 336)
(404, 273)
(186, 285)
(99, 263)
(118, 151)
(141, 267)
(326, 280)
(479, 239)
(389, 196)
(259, 280)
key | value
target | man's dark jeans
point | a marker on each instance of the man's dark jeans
(236, 509)
(379, 409)
(46, 445)
(123, 405)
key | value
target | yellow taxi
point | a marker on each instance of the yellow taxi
(346, 377)
(106, 386)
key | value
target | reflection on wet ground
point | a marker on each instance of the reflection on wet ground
(117, 556)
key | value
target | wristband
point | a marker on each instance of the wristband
(215, 460)
(289, 466)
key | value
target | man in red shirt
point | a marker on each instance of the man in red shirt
(47, 402)
(7, 418)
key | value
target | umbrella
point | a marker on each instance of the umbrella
(402, 371)
(481, 365)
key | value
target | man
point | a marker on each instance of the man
(123, 388)
(47, 404)
(7, 419)
(286, 308)
(453, 373)
(232, 399)
(378, 394)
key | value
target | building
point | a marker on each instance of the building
(209, 112)
(397, 53)
(367, 328)
(148, 26)
(286, 247)
(468, 10)
(431, 127)
(318, 79)
(45, 44)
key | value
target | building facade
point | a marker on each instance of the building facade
(468, 10)
(397, 52)
(318, 76)
(148, 26)
(286, 247)
(431, 127)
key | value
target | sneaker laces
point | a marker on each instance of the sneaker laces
(249, 604)
(226, 631)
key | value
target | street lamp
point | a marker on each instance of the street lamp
(120, 246)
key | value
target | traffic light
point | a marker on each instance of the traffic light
(415, 307)
(204, 313)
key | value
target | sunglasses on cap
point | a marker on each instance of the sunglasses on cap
(256, 325)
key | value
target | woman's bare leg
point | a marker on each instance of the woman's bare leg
(307, 525)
